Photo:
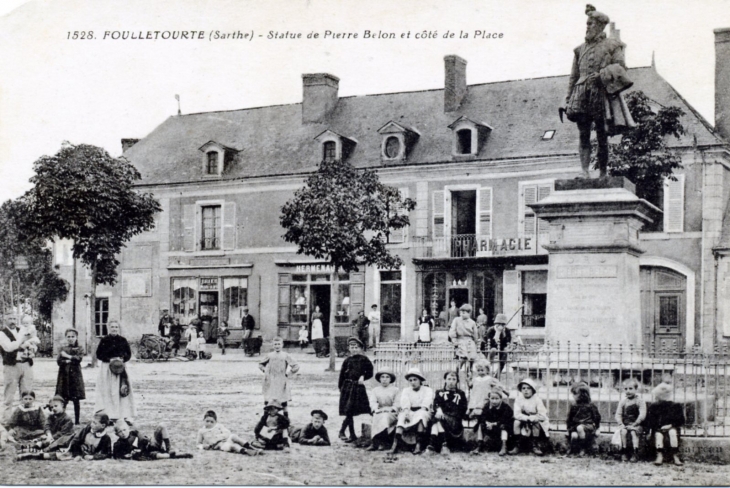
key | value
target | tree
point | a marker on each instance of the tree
(642, 154)
(345, 215)
(39, 282)
(83, 194)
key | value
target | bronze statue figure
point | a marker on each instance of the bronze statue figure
(594, 91)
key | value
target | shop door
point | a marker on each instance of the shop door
(209, 314)
(321, 297)
(663, 308)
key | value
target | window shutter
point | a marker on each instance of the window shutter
(527, 217)
(284, 280)
(400, 235)
(438, 214)
(357, 293)
(484, 216)
(229, 226)
(674, 204)
(511, 299)
(543, 191)
(189, 227)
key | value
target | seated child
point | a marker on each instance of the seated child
(630, 415)
(495, 423)
(384, 411)
(449, 405)
(214, 436)
(583, 420)
(531, 425)
(480, 386)
(271, 431)
(314, 433)
(91, 442)
(59, 426)
(28, 422)
(415, 412)
(664, 418)
(131, 444)
(303, 337)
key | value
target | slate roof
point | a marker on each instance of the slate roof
(273, 141)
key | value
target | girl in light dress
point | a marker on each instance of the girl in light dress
(277, 366)
(463, 333)
(414, 415)
(384, 412)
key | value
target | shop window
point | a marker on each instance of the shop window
(101, 316)
(434, 286)
(211, 227)
(534, 298)
(299, 301)
(235, 297)
(390, 297)
(184, 299)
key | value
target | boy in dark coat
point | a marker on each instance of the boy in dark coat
(314, 433)
(665, 418)
(583, 421)
(271, 431)
(91, 442)
(495, 423)
(131, 444)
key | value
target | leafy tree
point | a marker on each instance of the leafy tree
(40, 282)
(83, 194)
(642, 154)
(345, 215)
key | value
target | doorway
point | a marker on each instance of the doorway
(208, 314)
(321, 297)
(459, 295)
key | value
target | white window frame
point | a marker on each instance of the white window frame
(198, 226)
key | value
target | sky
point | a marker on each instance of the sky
(54, 88)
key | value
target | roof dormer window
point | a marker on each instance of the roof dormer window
(212, 166)
(397, 141)
(469, 137)
(215, 158)
(335, 147)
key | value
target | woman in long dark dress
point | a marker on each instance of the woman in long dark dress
(356, 370)
(70, 382)
(114, 391)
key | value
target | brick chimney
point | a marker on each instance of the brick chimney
(722, 83)
(319, 98)
(454, 82)
(127, 143)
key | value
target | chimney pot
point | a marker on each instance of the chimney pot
(454, 82)
(319, 97)
(127, 143)
(722, 83)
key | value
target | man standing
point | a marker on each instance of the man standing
(361, 324)
(594, 90)
(17, 372)
(248, 324)
(374, 318)
(165, 324)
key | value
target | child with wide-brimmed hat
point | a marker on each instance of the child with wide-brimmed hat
(272, 431)
(385, 413)
(415, 412)
(356, 370)
(531, 425)
(665, 418)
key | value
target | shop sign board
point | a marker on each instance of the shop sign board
(315, 268)
(208, 284)
(507, 246)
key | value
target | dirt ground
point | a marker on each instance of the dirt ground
(178, 393)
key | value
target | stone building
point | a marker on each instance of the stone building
(474, 157)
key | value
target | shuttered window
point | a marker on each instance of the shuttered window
(529, 224)
(438, 214)
(484, 212)
(674, 204)
(400, 235)
(211, 237)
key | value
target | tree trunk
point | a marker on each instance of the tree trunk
(333, 314)
(92, 313)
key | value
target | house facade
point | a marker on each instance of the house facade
(473, 157)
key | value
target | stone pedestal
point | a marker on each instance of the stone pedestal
(593, 291)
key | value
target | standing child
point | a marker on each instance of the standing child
(314, 433)
(191, 335)
(479, 387)
(630, 416)
(223, 332)
(303, 337)
(28, 422)
(495, 423)
(201, 345)
(531, 425)
(583, 421)
(415, 412)
(384, 411)
(214, 436)
(356, 370)
(277, 366)
(175, 335)
(665, 417)
(463, 332)
(70, 382)
(449, 404)
(271, 431)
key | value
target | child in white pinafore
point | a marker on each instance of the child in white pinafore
(384, 411)
(277, 366)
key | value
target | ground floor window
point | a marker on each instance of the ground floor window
(184, 299)
(235, 298)
(390, 297)
(475, 287)
(534, 298)
(101, 316)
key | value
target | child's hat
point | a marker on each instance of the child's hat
(356, 341)
(500, 319)
(273, 404)
(662, 391)
(415, 372)
(383, 371)
(320, 413)
(529, 382)
(58, 398)
(211, 414)
(499, 391)
(580, 386)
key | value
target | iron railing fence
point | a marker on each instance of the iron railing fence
(700, 380)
